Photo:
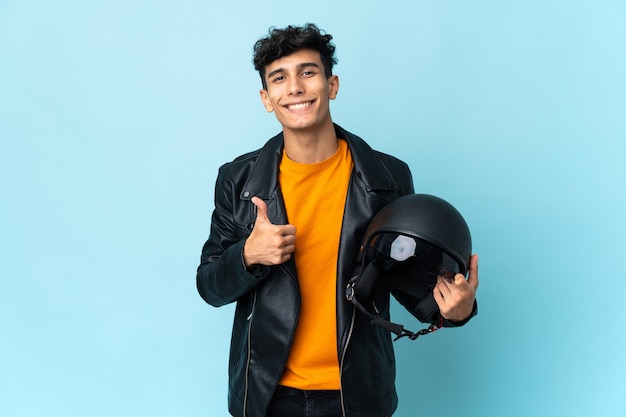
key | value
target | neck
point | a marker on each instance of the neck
(310, 147)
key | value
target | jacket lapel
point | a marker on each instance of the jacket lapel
(263, 180)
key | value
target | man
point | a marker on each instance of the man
(285, 235)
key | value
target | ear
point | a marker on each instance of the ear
(333, 86)
(265, 99)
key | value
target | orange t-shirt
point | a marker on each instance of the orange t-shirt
(315, 196)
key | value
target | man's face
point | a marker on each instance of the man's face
(298, 92)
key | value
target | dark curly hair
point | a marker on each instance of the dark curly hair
(283, 42)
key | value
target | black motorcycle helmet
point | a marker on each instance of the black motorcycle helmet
(407, 245)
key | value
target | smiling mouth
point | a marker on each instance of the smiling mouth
(299, 106)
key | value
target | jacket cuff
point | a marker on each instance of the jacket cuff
(258, 271)
(450, 323)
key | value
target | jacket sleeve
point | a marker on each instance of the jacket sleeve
(410, 304)
(222, 276)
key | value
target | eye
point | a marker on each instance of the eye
(278, 79)
(308, 73)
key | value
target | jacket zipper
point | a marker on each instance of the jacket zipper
(343, 356)
(249, 318)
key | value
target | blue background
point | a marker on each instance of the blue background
(115, 115)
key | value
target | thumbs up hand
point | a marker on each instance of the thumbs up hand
(268, 244)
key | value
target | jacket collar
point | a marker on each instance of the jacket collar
(263, 179)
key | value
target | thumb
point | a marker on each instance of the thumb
(261, 210)
(473, 271)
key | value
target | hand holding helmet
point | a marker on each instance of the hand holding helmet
(455, 298)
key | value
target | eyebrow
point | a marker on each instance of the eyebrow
(300, 66)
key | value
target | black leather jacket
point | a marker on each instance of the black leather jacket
(268, 298)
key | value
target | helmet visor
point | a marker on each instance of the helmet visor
(411, 259)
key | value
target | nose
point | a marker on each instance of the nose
(295, 86)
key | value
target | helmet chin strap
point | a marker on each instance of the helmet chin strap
(365, 281)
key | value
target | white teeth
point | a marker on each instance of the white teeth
(299, 106)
